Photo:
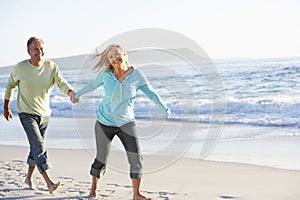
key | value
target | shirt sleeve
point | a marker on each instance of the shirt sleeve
(11, 85)
(61, 83)
(147, 89)
(91, 86)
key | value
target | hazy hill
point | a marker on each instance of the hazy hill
(135, 57)
(71, 62)
(64, 63)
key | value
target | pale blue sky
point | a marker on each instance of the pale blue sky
(223, 28)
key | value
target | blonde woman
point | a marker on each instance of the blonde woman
(116, 112)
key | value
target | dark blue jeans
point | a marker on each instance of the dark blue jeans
(35, 127)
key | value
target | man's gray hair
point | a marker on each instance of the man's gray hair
(31, 40)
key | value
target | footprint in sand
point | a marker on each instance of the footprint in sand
(113, 184)
(110, 191)
(71, 190)
(227, 197)
(38, 193)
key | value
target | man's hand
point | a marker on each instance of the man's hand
(73, 99)
(7, 114)
(6, 111)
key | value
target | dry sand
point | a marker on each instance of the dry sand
(184, 179)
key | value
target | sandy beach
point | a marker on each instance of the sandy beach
(184, 179)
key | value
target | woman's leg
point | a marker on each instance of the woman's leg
(136, 183)
(129, 138)
(104, 135)
(94, 187)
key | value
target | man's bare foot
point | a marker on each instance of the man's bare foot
(30, 184)
(53, 187)
(140, 197)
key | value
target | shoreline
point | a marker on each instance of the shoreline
(274, 151)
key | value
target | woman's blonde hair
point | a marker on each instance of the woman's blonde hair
(104, 62)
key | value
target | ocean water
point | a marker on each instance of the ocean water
(257, 92)
(260, 95)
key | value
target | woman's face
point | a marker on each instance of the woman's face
(116, 57)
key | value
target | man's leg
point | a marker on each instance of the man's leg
(32, 125)
(50, 184)
(28, 179)
(31, 167)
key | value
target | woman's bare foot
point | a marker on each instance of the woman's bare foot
(140, 197)
(92, 194)
(53, 187)
(94, 187)
(30, 184)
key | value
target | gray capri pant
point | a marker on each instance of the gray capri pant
(129, 138)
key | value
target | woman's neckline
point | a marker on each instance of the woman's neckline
(125, 75)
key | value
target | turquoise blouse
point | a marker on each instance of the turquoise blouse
(117, 107)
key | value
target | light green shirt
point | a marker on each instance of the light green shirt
(35, 84)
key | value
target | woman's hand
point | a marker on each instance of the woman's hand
(74, 99)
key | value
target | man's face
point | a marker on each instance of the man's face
(36, 50)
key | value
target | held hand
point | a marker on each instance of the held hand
(71, 94)
(74, 99)
(7, 114)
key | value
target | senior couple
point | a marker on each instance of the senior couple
(35, 79)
